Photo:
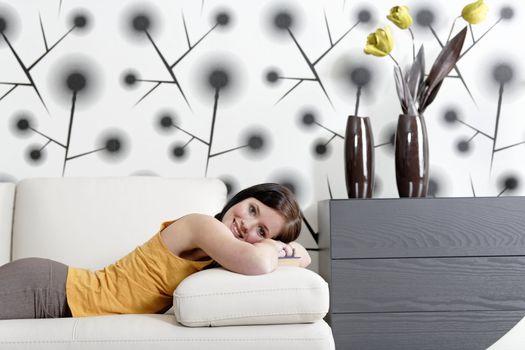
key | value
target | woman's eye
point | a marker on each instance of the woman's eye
(251, 209)
(260, 231)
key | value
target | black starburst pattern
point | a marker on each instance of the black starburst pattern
(283, 21)
(508, 183)
(321, 147)
(78, 22)
(218, 79)
(502, 76)
(140, 22)
(76, 82)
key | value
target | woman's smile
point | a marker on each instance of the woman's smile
(235, 229)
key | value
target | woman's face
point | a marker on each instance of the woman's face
(251, 220)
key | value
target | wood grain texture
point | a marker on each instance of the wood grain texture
(325, 262)
(423, 273)
(424, 227)
(422, 331)
(428, 284)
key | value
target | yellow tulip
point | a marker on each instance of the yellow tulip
(380, 43)
(400, 16)
(475, 13)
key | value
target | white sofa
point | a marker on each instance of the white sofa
(91, 222)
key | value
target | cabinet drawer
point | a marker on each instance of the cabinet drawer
(409, 227)
(428, 284)
(422, 330)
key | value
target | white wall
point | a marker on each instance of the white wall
(246, 49)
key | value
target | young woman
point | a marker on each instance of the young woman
(255, 228)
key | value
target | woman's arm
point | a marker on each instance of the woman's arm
(216, 240)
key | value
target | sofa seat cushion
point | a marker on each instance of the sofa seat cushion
(218, 297)
(157, 332)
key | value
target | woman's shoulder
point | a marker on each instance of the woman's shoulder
(192, 217)
(196, 219)
(186, 232)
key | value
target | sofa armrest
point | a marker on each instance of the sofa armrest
(217, 297)
(7, 198)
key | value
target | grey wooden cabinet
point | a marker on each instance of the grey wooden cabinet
(426, 273)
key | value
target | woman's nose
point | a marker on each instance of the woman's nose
(242, 226)
(246, 225)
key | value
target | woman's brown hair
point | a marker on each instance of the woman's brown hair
(276, 197)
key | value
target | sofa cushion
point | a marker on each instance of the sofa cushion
(217, 297)
(92, 222)
(159, 332)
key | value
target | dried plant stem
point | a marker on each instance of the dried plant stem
(413, 44)
(357, 100)
(455, 66)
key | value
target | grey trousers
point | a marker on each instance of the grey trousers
(33, 288)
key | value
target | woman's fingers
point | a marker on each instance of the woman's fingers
(288, 250)
(285, 250)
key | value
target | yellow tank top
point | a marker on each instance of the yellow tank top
(141, 282)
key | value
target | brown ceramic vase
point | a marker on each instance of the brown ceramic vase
(359, 157)
(411, 156)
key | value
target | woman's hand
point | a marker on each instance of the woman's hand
(286, 251)
(282, 249)
(292, 249)
(301, 251)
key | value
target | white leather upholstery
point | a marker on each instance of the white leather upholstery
(7, 193)
(159, 332)
(218, 297)
(92, 222)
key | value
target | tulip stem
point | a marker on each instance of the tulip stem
(397, 64)
(472, 33)
(413, 44)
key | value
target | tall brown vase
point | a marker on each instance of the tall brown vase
(411, 154)
(359, 157)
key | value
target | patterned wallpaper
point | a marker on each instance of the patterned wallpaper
(251, 92)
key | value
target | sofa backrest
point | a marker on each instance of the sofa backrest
(7, 193)
(92, 222)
